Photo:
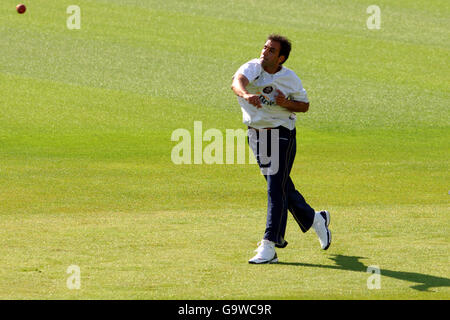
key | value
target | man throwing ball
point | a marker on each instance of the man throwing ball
(270, 95)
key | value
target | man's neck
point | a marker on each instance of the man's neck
(273, 69)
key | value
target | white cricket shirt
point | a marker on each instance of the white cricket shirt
(266, 85)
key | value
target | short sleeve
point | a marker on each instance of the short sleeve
(300, 93)
(251, 70)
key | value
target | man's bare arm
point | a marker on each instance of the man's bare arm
(291, 105)
(239, 86)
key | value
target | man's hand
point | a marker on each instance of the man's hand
(253, 99)
(239, 87)
(281, 99)
(291, 105)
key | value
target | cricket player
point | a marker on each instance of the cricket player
(270, 95)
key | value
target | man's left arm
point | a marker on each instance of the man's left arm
(291, 105)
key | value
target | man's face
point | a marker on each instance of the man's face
(270, 54)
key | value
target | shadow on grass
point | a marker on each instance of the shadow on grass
(423, 281)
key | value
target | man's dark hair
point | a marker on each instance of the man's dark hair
(285, 45)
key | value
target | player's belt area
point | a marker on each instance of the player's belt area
(262, 128)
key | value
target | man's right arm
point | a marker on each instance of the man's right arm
(239, 86)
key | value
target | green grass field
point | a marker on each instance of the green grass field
(86, 176)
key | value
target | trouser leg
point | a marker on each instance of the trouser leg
(277, 196)
(281, 192)
(276, 171)
(299, 208)
(297, 205)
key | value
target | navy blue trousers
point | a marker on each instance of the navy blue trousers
(281, 193)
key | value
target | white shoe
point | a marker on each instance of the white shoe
(320, 225)
(265, 253)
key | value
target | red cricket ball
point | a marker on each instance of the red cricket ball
(21, 8)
